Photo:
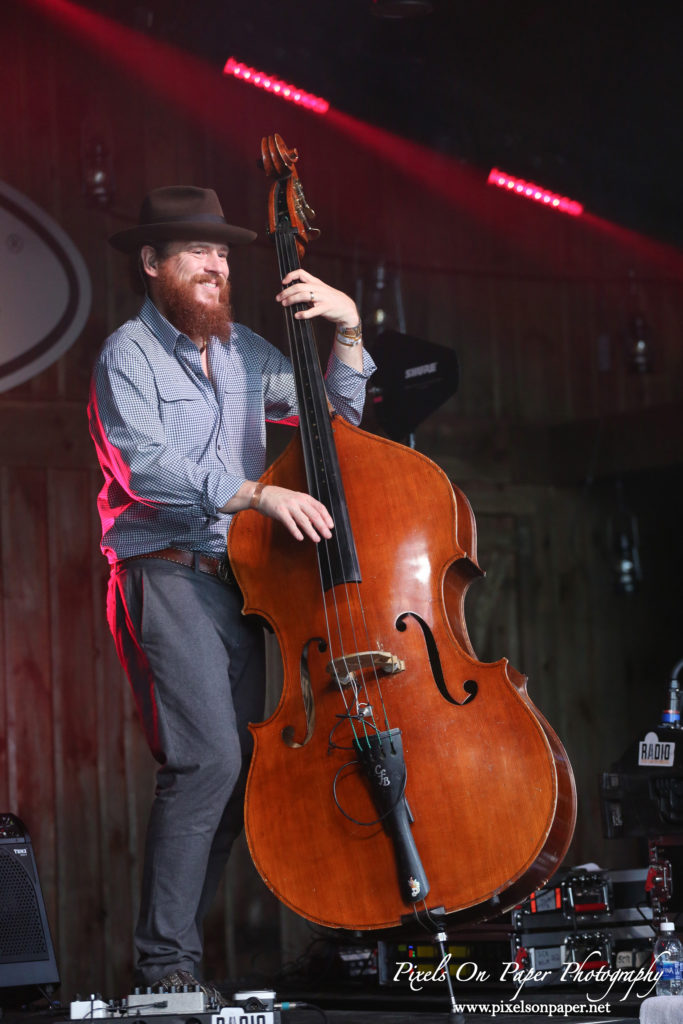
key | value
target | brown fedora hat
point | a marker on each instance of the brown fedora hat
(179, 213)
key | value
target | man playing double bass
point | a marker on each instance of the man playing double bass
(177, 412)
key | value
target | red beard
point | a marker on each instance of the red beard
(195, 319)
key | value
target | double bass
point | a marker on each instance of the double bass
(398, 774)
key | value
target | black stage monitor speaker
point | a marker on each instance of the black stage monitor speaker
(26, 952)
(413, 378)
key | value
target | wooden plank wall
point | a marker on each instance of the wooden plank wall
(546, 417)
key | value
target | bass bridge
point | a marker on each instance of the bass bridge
(341, 669)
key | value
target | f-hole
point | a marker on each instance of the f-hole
(306, 696)
(470, 686)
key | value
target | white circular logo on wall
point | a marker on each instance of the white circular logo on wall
(44, 289)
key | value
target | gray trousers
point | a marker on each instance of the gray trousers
(196, 668)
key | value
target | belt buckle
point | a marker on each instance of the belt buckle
(223, 571)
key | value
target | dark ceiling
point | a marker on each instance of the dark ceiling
(583, 98)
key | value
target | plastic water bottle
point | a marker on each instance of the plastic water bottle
(668, 955)
(671, 715)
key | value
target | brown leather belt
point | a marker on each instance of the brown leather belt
(219, 567)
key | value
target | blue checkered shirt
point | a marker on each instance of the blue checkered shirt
(173, 446)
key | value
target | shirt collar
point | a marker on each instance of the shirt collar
(165, 333)
(161, 328)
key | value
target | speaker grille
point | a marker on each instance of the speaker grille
(22, 936)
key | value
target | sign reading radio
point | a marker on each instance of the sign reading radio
(653, 752)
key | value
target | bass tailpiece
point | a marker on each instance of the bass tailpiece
(381, 756)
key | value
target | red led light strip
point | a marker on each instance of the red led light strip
(528, 190)
(264, 81)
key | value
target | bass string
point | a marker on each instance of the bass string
(306, 346)
(305, 358)
(378, 685)
(288, 261)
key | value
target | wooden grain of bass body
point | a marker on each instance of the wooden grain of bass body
(488, 783)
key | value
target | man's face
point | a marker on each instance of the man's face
(202, 264)
(190, 286)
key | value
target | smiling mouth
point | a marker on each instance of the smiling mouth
(214, 287)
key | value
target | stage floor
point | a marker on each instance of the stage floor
(534, 1011)
(415, 1015)
(418, 1017)
(537, 1006)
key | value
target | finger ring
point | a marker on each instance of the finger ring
(312, 297)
